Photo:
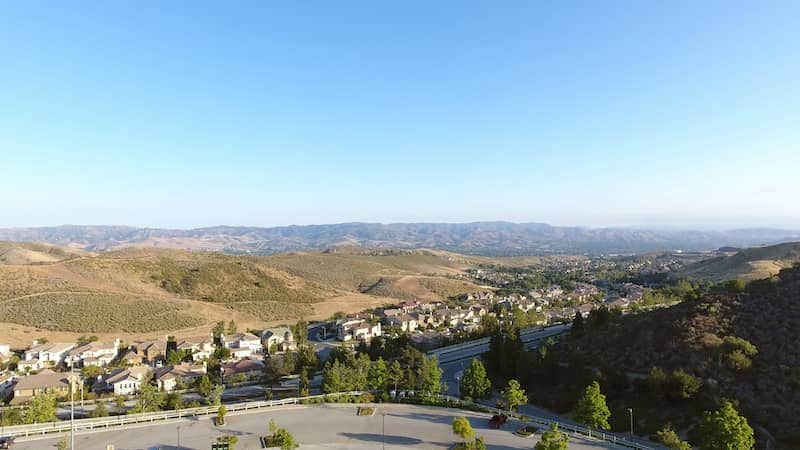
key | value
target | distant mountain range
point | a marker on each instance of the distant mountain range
(484, 238)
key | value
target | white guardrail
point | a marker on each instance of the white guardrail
(41, 429)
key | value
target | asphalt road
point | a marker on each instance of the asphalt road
(328, 427)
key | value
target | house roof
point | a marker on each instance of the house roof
(179, 370)
(44, 379)
(277, 331)
(92, 347)
(54, 347)
(241, 337)
(136, 373)
(241, 366)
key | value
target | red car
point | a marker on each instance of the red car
(498, 420)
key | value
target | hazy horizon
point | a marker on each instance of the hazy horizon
(695, 227)
(677, 115)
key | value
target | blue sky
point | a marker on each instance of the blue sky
(185, 114)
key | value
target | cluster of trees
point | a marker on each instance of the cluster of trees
(41, 409)
(346, 370)
(736, 353)
(678, 385)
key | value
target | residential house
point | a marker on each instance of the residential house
(49, 354)
(393, 312)
(169, 377)
(405, 322)
(201, 347)
(278, 339)
(358, 329)
(247, 369)
(130, 358)
(46, 381)
(152, 352)
(93, 354)
(29, 365)
(122, 381)
(243, 345)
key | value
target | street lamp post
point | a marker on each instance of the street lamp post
(630, 411)
(179, 436)
(383, 431)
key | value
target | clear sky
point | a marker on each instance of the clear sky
(185, 114)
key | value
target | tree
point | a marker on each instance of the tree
(592, 409)
(149, 398)
(735, 286)
(514, 395)
(462, 428)
(552, 439)
(671, 440)
(396, 374)
(281, 437)
(221, 412)
(683, 385)
(232, 328)
(218, 330)
(42, 408)
(303, 385)
(300, 332)
(431, 376)
(215, 397)
(204, 386)
(578, 326)
(378, 375)
(173, 401)
(100, 410)
(725, 429)
(474, 383)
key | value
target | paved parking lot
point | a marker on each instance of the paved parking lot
(329, 427)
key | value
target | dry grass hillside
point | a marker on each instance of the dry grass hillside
(748, 264)
(16, 253)
(141, 291)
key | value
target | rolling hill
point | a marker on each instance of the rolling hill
(748, 264)
(479, 238)
(145, 290)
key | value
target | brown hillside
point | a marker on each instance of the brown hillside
(749, 264)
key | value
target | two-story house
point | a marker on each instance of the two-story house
(49, 354)
(278, 339)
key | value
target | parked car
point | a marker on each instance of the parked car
(498, 420)
(5, 442)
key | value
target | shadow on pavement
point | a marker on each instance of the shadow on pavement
(390, 439)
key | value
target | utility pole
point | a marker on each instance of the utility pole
(179, 436)
(71, 406)
(630, 411)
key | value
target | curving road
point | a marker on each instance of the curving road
(322, 427)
